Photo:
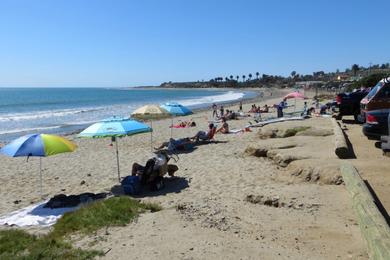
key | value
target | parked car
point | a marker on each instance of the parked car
(377, 99)
(348, 104)
(376, 124)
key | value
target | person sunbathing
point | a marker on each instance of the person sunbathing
(178, 144)
(264, 110)
(188, 123)
(232, 115)
(224, 129)
(184, 124)
(253, 109)
(205, 136)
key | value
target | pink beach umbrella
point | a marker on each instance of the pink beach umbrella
(295, 95)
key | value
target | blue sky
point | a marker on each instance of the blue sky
(126, 43)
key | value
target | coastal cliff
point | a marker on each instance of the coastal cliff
(225, 84)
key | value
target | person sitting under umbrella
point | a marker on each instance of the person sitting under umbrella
(173, 145)
(154, 170)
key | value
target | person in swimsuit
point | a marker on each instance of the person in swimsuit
(202, 135)
(224, 129)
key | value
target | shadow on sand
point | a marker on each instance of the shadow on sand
(172, 185)
(378, 202)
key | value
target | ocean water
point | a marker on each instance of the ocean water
(64, 110)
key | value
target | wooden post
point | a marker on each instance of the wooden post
(117, 159)
(373, 225)
(40, 177)
(341, 146)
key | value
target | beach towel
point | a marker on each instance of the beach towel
(35, 215)
(235, 131)
(276, 120)
(178, 126)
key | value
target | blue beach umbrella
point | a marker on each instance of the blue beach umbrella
(115, 127)
(176, 109)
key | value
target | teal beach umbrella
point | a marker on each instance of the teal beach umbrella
(115, 127)
(176, 109)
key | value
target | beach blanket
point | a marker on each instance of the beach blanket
(35, 215)
(235, 131)
(239, 131)
(178, 126)
(298, 112)
(276, 120)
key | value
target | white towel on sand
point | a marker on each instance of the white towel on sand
(34, 215)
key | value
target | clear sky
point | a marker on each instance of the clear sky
(125, 43)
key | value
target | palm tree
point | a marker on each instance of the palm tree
(237, 77)
(250, 76)
(293, 73)
(231, 77)
(243, 78)
(355, 69)
(257, 75)
(226, 79)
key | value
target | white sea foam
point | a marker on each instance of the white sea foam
(65, 120)
(21, 130)
(229, 96)
(45, 114)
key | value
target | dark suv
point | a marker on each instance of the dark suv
(376, 124)
(349, 103)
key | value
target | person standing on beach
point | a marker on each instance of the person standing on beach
(280, 108)
(240, 106)
(215, 113)
(221, 109)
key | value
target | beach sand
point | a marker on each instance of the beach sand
(213, 208)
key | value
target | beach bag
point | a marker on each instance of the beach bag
(131, 185)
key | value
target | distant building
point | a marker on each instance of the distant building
(309, 84)
(343, 77)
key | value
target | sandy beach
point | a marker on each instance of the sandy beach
(223, 203)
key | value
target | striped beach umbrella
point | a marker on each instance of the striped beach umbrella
(150, 112)
(39, 145)
(115, 127)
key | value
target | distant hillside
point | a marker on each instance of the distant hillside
(226, 84)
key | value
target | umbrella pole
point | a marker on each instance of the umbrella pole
(151, 136)
(117, 159)
(40, 176)
(171, 126)
(295, 104)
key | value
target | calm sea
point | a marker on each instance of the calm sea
(64, 110)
